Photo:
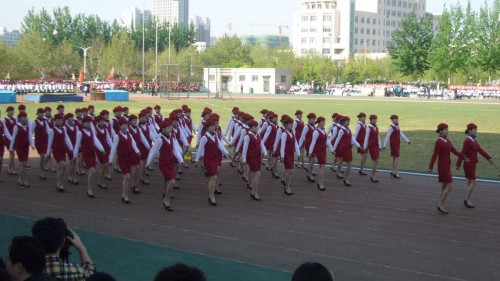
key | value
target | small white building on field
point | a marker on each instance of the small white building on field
(247, 80)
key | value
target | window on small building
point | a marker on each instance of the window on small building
(211, 77)
(327, 17)
(242, 78)
(312, 40)
(327, 29)
(327, 40)
(303, 40)
(313, 18)
(305, 18)
(283, 78)
(255, 78)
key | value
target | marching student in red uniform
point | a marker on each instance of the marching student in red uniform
(373, 145)
(60, 109)
(470, 150)
(144, 146)
(191, 129)
(231, 123)
(264, 118)
(86, 144)
(239, 147)
(179, 135)
(124, 148)
(317, 149)
(298, 127)
(201, 130)
(10, 122)
(253, 149)
(43, 139)
(240, 127)
(343, 148)
(2, 143)
(289, 148)
(150, 135)
(103, 135)
(22, 108)
(218, 132)
(158, 117)
(359, 135)
(394, 135)
(78, 120)
(115, 121)
(60, 146)
(442, 150)
(90, 111)
(72, 131)
(49, 162)
(334, 129)
(169, 152)
(277, 146)
(20, 143)
(209, 147)
(305, 141)
(269, 138)
(48, 116)
(125, 113)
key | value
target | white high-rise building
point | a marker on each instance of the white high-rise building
(340, 28)
(9, 37)
(202, 29)
(132, 18)
(172, 11)
(325, 28)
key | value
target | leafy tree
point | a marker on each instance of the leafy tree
(120, 55)
(228, 52)
(488, 38)
(410, 45)
(34, 53)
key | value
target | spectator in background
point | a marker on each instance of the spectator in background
(53, 234)
(312, 271)
(26, 260)
(101, 276)
(180, 272)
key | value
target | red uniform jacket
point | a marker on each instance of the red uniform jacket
(470, 149)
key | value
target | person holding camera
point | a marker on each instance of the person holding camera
(56, 239)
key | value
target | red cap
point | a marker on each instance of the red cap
(132, 117)
(215, 117)
(284, 117)
(178, 111)
(394, 116)
(471, 126)
(311, 116)
(298, 112)
(104, 112)
(21, 107)
(344, 118)
(58, 116)
(248, 117)
(166, 123)
(274, 115)
(173, 116)
(264, 111)
(87, 119)
(21, 114)
(48, 109)
(142, 114)
(99, 118)
(361, 114)
(288, 120)
(187, 110)
(40, 110)
(90, 106)
(253, 123)
(9, 108)
(320, 119)
(117, 109)
(78, 110)
(122, 121)
(69, 115)
(442, 126)
(84, 109)
(157, 107)
(60, 106)
(373, 116)
(335, 115)
(149, 108)
(125, 108)
(184, 106)
(235, 109)
(209, 123)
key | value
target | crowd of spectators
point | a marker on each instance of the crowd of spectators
(44, 256)
(22, 87)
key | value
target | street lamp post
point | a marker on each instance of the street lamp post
(143, 38)
(156, 52)
(84, 49)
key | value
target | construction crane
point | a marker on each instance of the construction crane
(279, 26)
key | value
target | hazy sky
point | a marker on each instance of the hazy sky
(241, 13)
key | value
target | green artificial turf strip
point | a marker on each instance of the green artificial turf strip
(128, 260)
(418, 121)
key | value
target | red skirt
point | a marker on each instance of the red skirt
(23, 153)
(135, 160)
(374, 152)
(219, 158)
(345, 154)
(395, 150)
(69, 153)
(307, 144)
(59, 154)
(125, 163)
(168, 171)
(254, 163)
(288, 161)
(89, 159)
(470, 170)
(445, 174)
(41, 145)
(277, 152)
(320, 154)
(210, 165)
(103, 158)
(2, 150)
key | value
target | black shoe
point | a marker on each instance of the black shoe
(176, 187)
(59, 189)
(102, 186)
(468, 205)
(309, 179)
(144, 182)
(177, 179)
(244, 179)
(346, 184)
(213, 204)
(340, 177)
(443, 212)
(90, 195)
(126, 201)
(283, 183)
(232, 165)
(218, 192)
(254, 198)
(249, 187)
(108, 178)
(240, 172)
(167, 208)
(42, 177)
(179, 172)
(362, 173)
(322, 189)
(135, 190)
(275, 176)
(288, 193)
(373, 180)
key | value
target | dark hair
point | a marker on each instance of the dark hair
(180, 272)
(4, 274)
(467, 131)
(312, 271)
(100, 276)
(50, 232)
(29, 252)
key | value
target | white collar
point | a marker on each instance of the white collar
(471, 138)
(373, 126)
(321, 131)
(443, 139)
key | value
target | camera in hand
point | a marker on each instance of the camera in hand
(65, 253)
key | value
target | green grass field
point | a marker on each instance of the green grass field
(417, 119)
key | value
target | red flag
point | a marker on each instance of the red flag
(80, 77)
(111, 74)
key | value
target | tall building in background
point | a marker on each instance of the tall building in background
(202, 29)
(172, 11)
(9, 37)
(132, 18)
(341, 28)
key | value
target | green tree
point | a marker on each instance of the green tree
(410, 45)
(34, 53)
(488, 39)
(120, 55)
(228, 52)
(65, 60)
